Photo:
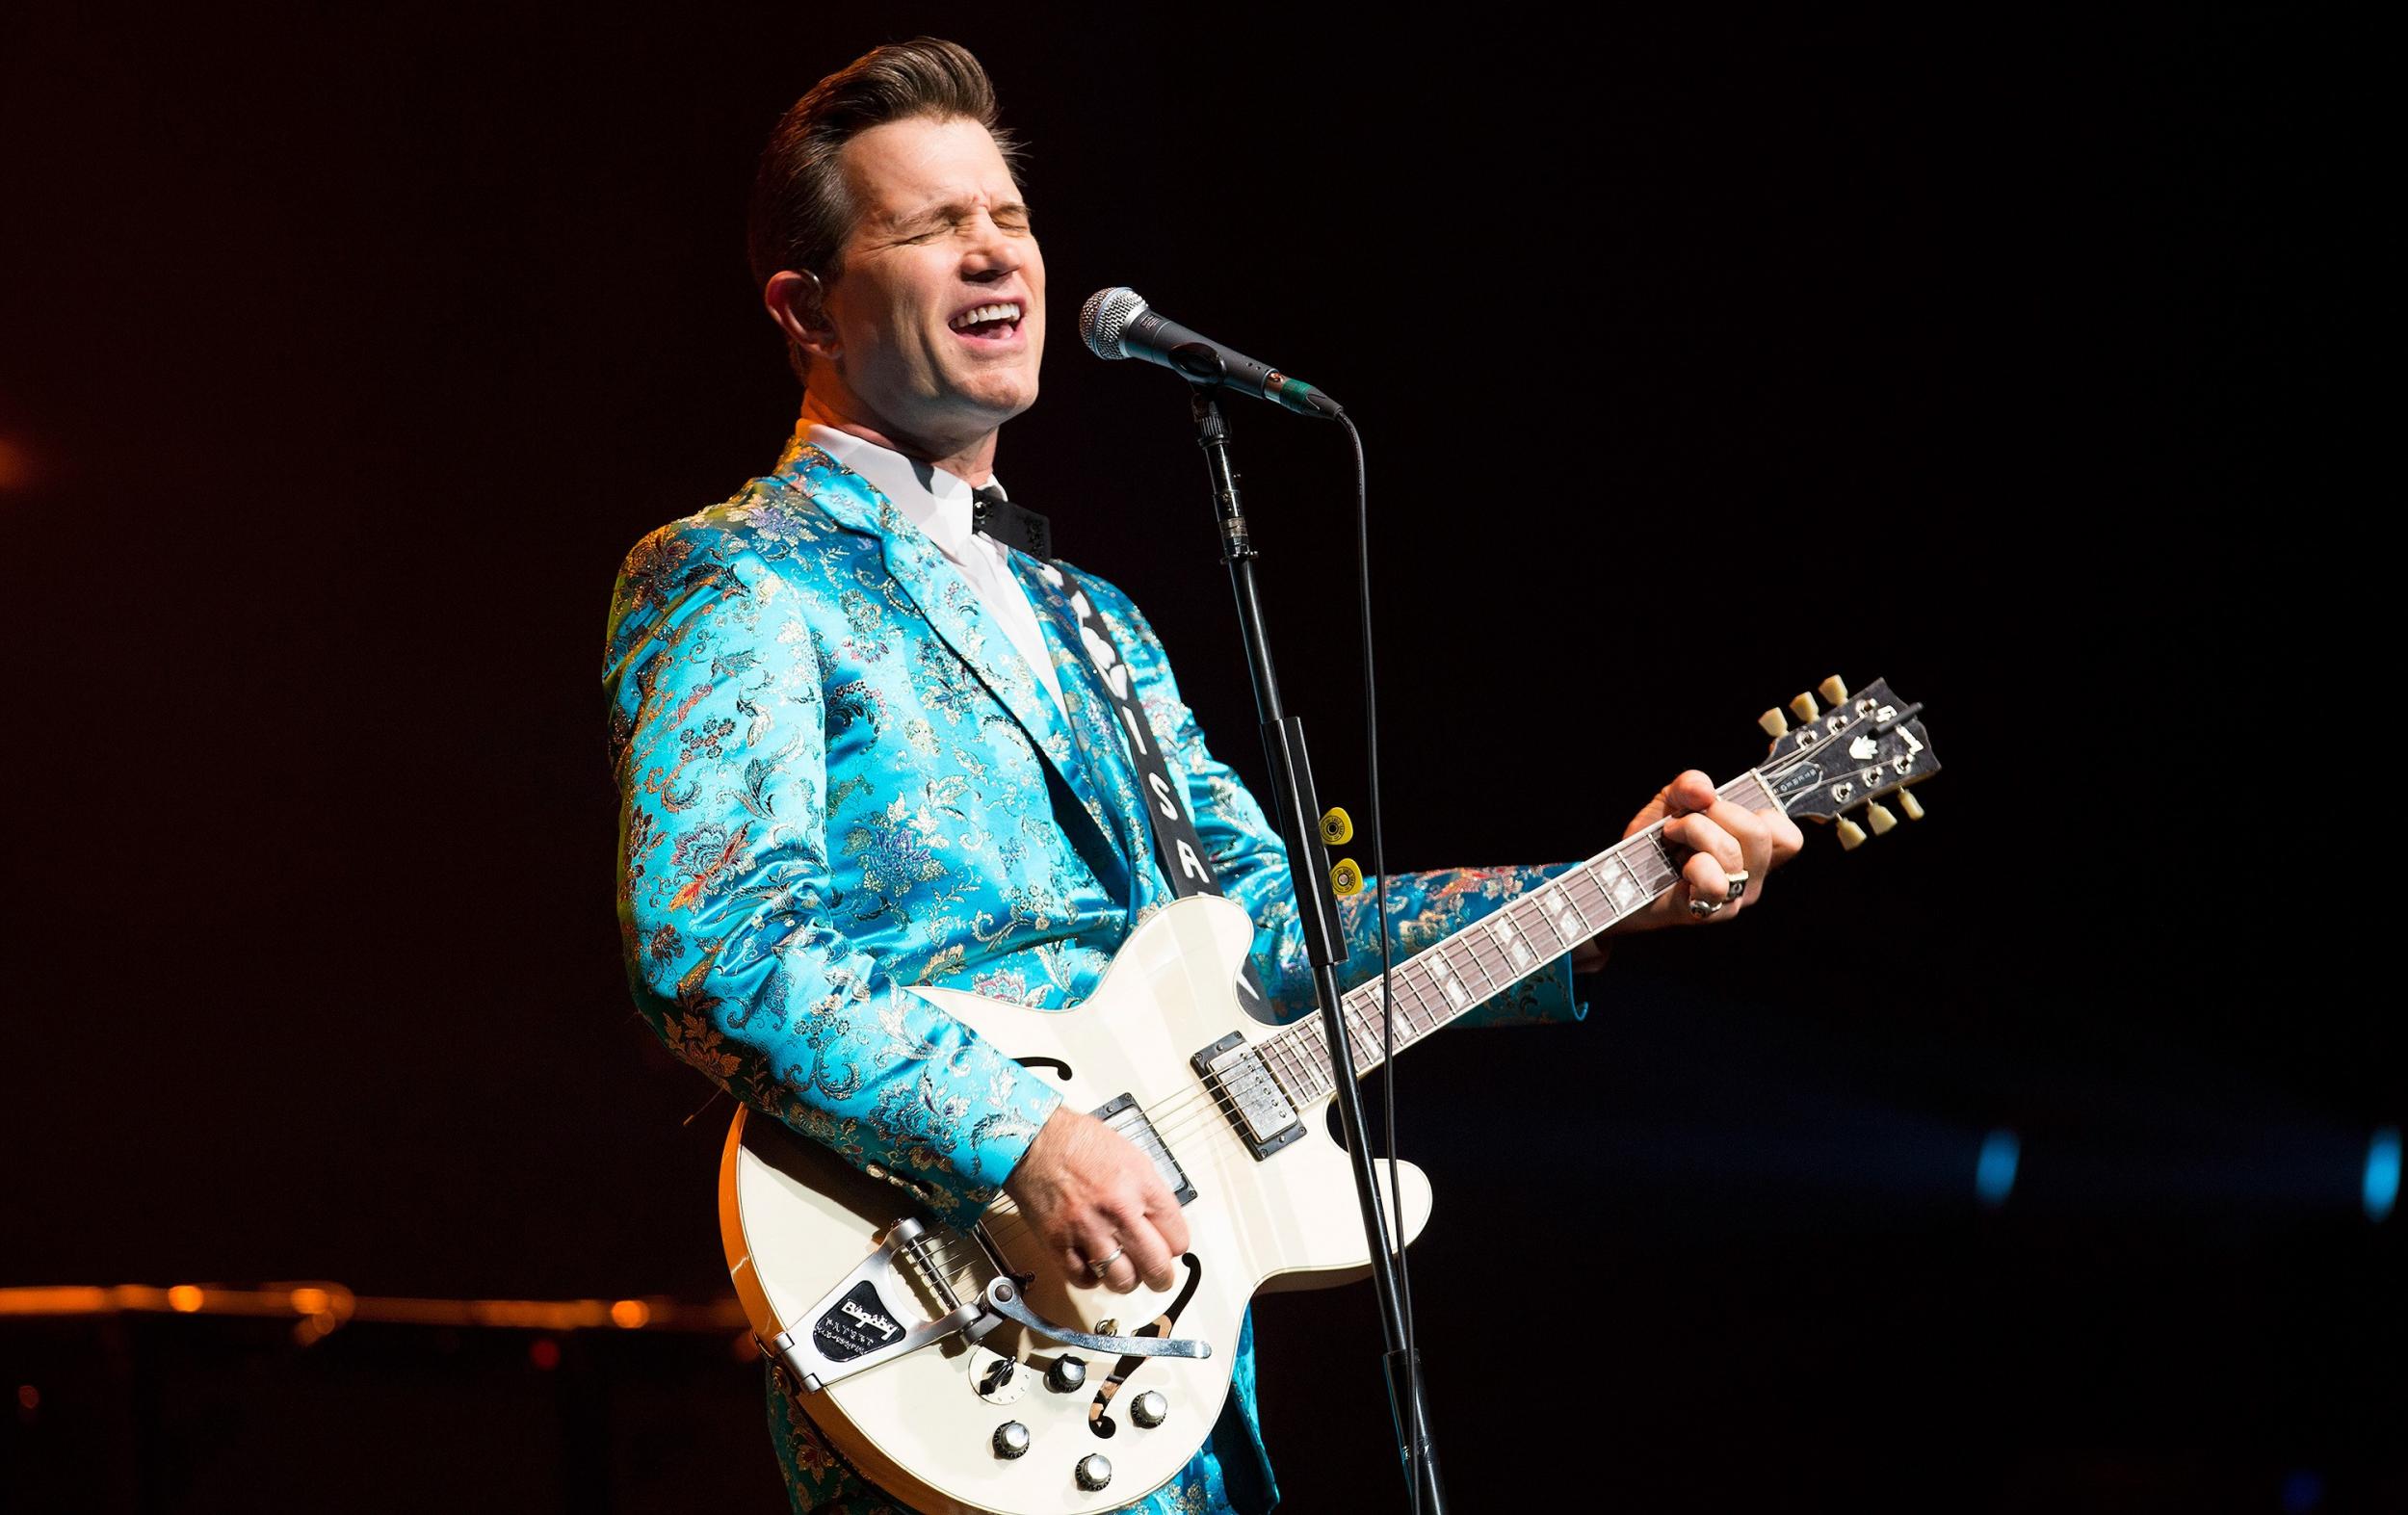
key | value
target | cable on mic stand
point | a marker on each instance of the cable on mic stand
(1299, 806)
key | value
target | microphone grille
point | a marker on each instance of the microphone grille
(1105, 316)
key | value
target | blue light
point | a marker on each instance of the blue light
(2382, 1185)
(1994, 1175)
(2303, 1490)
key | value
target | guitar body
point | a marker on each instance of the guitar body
(875, 1315)
(794, 1218)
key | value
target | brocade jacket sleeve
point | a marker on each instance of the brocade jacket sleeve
(734, 952)
(1250, 861)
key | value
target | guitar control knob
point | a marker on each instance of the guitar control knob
(1149, 1409)
(1011, 1439)
(1067, 1374)
(1095, 1470)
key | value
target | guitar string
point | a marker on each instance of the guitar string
(1179, 1119)
(1307, 1058)
(1311, 1058)
(1007, 1230)
(1306, 1061)
(1298, 1061)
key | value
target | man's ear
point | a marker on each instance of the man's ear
(797, 302)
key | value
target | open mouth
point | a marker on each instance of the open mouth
(989, 322)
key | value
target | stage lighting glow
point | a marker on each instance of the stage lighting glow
(1994, 1174)
(185, 1299)
(2381, 1189)
(2303, 1492)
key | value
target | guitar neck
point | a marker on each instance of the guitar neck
(1441, 984)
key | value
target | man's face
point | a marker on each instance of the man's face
(940, 236)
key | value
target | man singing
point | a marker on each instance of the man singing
(856, 753)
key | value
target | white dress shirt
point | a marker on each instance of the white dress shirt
(940, 505)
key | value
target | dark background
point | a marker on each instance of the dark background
(346, 354)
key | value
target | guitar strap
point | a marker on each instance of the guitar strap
(1177, 848)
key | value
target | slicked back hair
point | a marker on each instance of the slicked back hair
(800, 211)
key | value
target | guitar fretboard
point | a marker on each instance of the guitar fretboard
(1441, 984)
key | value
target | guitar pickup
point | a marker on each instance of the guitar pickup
(1127, 1117)
(1241, 1084)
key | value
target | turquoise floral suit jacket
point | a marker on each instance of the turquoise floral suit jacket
(840, 780)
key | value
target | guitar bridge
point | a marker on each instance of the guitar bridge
(853, 1327)
(1248, 1095)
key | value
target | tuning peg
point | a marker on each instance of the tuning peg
(1908, 802)
(1852, 835)
(1345, 877)
(1337, 830)
(1834, 691)
(1882, 820)
(1804, 708)
(1777, 725)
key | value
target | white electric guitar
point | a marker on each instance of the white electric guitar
(959, 1371)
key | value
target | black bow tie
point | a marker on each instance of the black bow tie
(997, 517)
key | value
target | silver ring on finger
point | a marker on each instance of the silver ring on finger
(1103, 1265)
(1738, 884)
(1702, 908)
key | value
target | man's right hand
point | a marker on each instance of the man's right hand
(1086, 1193)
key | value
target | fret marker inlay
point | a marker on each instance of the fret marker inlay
(1456, 992)
(1624, 889)
(1559, 910)
(1516, 949)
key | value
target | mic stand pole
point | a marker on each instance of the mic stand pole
(1300, 818)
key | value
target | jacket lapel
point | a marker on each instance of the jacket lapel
(954, 611)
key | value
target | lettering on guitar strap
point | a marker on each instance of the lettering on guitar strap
(1176, 845)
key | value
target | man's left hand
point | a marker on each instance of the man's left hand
(1727, 843)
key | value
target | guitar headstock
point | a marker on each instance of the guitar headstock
(1847, 753)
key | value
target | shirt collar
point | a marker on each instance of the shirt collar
(936, 502)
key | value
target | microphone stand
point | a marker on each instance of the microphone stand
(1299, 811)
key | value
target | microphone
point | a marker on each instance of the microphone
(1118, 322)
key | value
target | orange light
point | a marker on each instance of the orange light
(311, 1301)
(185, 1299)
(630, 1314)
(74, 1299)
